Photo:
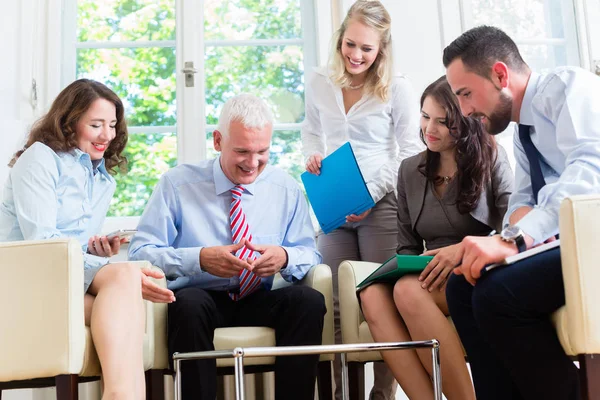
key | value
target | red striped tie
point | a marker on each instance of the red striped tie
(240, 231)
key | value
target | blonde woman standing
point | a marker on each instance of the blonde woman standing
(359, 99)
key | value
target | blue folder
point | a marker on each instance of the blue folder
(340, 189)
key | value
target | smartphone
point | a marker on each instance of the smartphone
(122, 234)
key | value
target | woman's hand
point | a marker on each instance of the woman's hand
(359, 217)
(151, 291)
(436, 274)
(103, 247)
(313, 165)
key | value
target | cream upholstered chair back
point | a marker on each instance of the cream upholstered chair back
(41, 304)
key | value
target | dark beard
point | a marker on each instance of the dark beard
(500, 118)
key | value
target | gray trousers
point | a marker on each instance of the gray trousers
(372, 239)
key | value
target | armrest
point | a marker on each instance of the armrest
(350, 274)
(579, 233)
(319, 278)
(156, 324)
(41, 308)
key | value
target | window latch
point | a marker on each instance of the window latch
(189, 71)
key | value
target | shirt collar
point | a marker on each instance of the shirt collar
(526, 113)
(223, 184)
(84, 159)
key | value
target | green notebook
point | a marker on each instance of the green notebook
(395, 268)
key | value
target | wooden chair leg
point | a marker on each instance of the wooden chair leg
(155, 384)
(324, 381)
(356, 380)
(66, 387)
(589, 372)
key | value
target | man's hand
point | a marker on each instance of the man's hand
(101, 246)
(221, 260)
(357, 218)
(438, 270)
(151, 291)
(271, 260)
(480, 251)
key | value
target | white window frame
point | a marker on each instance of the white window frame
(190, 44)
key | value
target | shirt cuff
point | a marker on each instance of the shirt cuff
(540, 224)
(291, 269)
(190, 260)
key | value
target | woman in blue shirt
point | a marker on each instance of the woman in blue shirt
(60, 185)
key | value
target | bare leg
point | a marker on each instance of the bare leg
(424, 314)
(386, 325)
(117, 324)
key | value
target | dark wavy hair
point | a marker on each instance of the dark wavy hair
(475, 150)
(56, 129)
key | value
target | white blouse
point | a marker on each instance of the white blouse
(381, 134)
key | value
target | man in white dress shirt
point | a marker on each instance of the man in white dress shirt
(503, 317)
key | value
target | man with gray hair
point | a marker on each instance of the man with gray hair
(220, 230)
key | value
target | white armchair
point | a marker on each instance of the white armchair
(44, 340)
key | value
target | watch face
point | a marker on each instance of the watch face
(510, 232)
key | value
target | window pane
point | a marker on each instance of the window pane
(544, 30)
(251, 19)
(275, 74)
(125, 20)
(286, 152)
(144, 78)
(542, 58)
(520, 18)
(149, 156)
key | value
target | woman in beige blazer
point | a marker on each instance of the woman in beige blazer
(459, 186)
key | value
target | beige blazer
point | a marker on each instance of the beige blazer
(490, 209)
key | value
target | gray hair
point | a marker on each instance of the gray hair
(248, 109)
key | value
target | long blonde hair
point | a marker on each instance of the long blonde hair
(379, 76)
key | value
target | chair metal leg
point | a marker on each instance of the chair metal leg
(324, 381)
(155, 384)
(66, 387)
(356, 380)
(589, 372)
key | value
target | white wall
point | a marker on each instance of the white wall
(13, 128)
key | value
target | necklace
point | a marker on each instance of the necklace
(356, 87)
(446, 179)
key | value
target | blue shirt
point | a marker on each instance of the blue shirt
(189, 210)
(563, 108)
(51, 195)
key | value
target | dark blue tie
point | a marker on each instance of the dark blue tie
(534, 157)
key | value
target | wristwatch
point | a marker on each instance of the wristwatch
(514, 234)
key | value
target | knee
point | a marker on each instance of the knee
(409, 296)
(458, 292)
(490, 299)
(126, 275)
(307, 300)
(193, 304)
(371, 299)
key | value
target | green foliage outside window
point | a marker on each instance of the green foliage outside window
(145, 77)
